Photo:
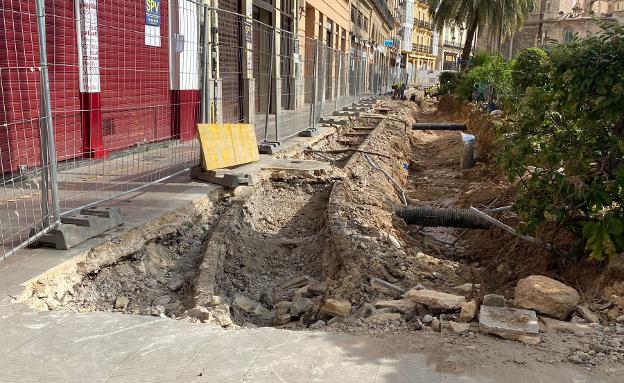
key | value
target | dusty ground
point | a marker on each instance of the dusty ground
(274, 254)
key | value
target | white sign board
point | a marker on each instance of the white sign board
(88, 55)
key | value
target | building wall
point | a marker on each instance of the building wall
(20, 93)
(421, 56)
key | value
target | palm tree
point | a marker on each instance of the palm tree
(496, 16)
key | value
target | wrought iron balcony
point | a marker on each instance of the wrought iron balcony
(421, 48)
(453, 44)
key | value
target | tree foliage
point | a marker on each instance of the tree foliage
(531, 68)
(565, 142)
(495, 16)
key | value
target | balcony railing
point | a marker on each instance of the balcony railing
(423, 24)
(420, 48)
(453, 44)
(384, 11)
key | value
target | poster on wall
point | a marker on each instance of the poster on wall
(89, 56)
(152, 23)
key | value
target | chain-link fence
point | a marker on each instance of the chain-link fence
(100, 99)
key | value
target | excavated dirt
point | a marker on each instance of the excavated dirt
(306, 250)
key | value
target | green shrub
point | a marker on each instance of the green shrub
(490, 81)
(480, 58)
(565, 145)
(531, 68)
(448, 82)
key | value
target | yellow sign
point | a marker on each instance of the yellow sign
(225, 145)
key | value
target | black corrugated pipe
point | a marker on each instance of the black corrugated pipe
(438, 126)
(441, 217)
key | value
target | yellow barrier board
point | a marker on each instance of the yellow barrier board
(225, 145)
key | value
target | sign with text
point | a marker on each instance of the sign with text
(152, 12)
(152, 23)
(89, 54)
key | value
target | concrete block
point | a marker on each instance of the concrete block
(310, 132)
(334, 120)
(346, 113)
(77, 228)
(268, 147)
(509, 323)
(224, 177)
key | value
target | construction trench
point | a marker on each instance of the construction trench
(334, 250)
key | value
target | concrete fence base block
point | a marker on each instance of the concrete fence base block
(224, 177)
(268, 147)
(310, 132)
(347, 113)
(335, 120)
(74, 229)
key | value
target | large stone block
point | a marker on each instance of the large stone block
(509, 323)
(546, 296)
(436, 300)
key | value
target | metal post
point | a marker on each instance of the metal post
(46, 114)
(314, 82)
(338, 80)
(323, 78)
(205, 67)
(270, 88)
(355, 77)
(278, 106)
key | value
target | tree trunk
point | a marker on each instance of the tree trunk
(468, 44)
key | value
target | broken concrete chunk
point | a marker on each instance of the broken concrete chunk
(494, 300)
(213, 300)
(436, 325)
(365, 310)
(163, 300)
(283, 307)
(468, 311)
(297, 282)
(317, 288)
(386, 288)
(281, 318)
(198, 312)
(317, 325)
(336, 307)
(175, 283)
(466, 288)
(509, 323)
(555, 325)
(458, 328)
(587, 314)
(300, 305)
(546, 296)
(245, 304)
(121, 302)
(263, 313)
(405, 306)
(383, 317)
(436, 300)
(300, 292)
(266, 300)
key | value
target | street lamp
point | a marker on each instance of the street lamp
(461, 34)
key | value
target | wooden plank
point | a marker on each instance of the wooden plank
(225, 145)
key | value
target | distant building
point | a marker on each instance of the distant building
(556, 20)
(422, 56)
(451, 45)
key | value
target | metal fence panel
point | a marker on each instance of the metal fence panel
(127, 87)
